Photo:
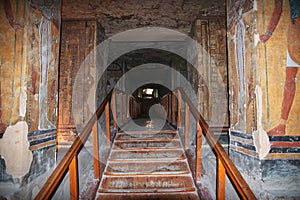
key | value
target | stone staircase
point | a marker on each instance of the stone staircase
(147, 165)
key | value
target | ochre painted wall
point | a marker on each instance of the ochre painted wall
(29, 49)
(29, 63)
(253, 64)
(272, 64)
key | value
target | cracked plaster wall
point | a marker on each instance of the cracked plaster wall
(29, 42)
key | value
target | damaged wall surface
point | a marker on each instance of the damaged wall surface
(118, 16)
(79, 39)
(210, 33)
(253, 62)
(264, 102)
(29, 40)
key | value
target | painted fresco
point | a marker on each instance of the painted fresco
(29, 63)
(79, 40)
(261, 35)
(211, 82)
(239, 59)
(281, 24)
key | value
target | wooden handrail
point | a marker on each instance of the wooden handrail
(224, 163)
(70, 157)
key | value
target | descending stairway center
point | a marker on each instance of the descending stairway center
(147, 165)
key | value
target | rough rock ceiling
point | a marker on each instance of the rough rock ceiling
(120, 15)
(144, 56)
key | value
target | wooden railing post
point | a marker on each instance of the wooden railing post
(179, 109)
(124, 107)
(96, 151)
(135, 105)
(74, 185)
(198, 152)
(69, 161)
(121, 108)
(186, 126)
(114, 110)
(107, 124)
(169, 108)
(127, 106)
(220, 180)
(173, 108)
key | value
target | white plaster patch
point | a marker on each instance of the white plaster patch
(22, 106)
(36, 97)
(255, 5)
(260, 137)
(256, 39)
(14, 149)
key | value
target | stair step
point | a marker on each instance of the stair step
(148, 144)
(143, 136)
(154, 168)
(135, 184)
(172, 154)
(148, 196)
(147, 165)
(147, 132)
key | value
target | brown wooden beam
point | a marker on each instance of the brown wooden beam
(186, 126)
(173, 108)
(234, 175)
(96, 151)
(114, 110)
(221, 174)
(179, 110)
(107, 124)
(198, 152)
(61, 169)
(121, 108)
(74, 181)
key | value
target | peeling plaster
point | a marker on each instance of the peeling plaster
(14, 149)
(260, 136)
(256, 39)
(22, 106)
(36, 97)
(255, 5)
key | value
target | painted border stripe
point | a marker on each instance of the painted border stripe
(244, 151)
(292, 156)
(43, 145)
(242, 135)
(285, 150)
(34, 138)
(285, 144)
(32, 143)
(245, 146)
(241, 140)
(40, 132)
(285, 138)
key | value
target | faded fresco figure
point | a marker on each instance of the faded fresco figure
(9, 15)
(45, 63)
(293, 58)
(240, 60)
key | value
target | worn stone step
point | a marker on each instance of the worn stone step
(147, 144)
(134, 184)
(142, 155)
(147, 165)
(143, 136)
(147, 132)
(151, 168)
(148, 196)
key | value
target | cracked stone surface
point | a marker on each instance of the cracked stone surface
(117, 16)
